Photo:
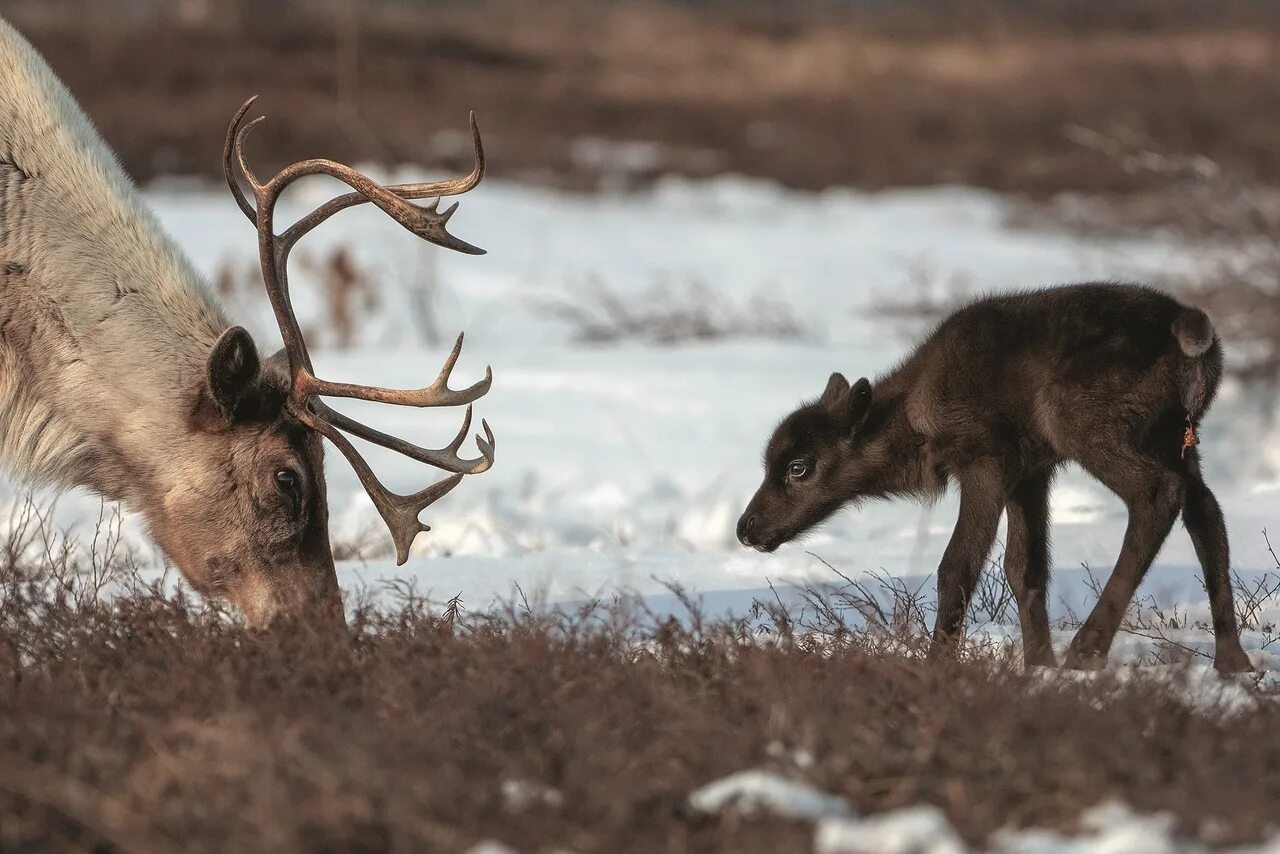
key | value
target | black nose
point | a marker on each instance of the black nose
(746, 527)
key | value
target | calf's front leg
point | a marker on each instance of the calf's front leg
(982, 501)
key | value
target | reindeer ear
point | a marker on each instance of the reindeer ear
(277, 363)
(837, 388)
(850, 405)
(860, 397)
(232, 369)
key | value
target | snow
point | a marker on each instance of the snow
(522, 795)
(624, 467)
(754, 792)
(910, 830)
(1109, 828)
(491, 846)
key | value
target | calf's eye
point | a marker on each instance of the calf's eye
(798, 469)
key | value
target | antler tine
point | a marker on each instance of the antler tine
(445, 458)
(436, 394)
(234, 146)
(241, 135)
(228, 151)
(438, 189)
(426, 222)
(399, 512)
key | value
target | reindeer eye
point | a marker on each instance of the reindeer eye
(798, 469)
(290, 484)
(287, 480)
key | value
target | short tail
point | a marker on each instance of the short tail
(1198, 376)
(1194, 332)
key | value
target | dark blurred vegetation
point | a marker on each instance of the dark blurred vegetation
(811, 94)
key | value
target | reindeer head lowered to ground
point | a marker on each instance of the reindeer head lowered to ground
(120, 373)
(253, 524)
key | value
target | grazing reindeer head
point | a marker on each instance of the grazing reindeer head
(118, 371)
(252, 522)
(811, 462)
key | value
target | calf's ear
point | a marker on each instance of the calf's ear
(837, 388)
(860, 397)
(850, 404)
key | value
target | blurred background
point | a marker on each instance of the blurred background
(810, 94)
(1046, 99)
(695, 211)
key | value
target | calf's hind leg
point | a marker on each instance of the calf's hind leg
(1026, 564)
(1203, 519)
(1153, 494)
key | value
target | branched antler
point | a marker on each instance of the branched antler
(400, 512)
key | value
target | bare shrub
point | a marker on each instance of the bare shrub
(900, 611)
(1147, 618)
(367, 542)
(897, 614)
(1169, 626)
(40, 563)
(666, 314)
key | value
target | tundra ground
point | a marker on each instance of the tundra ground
(145, 722)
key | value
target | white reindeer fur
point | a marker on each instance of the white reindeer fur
(105, 327)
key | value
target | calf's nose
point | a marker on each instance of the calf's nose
(746, 527)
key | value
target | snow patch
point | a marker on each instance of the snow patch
(491, 846)
(912, 830)
(1111, 828)
(521, 795)
(754, 792)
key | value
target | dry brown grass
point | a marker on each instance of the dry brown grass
(149, 723)
(812, 94)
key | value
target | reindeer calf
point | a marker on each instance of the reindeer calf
(1004, 391)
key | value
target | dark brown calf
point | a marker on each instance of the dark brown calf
(1114, 377)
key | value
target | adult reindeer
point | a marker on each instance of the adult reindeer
(119, 373)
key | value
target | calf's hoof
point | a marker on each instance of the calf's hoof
(1231, 659)
(1039, 657)
(1078, 659)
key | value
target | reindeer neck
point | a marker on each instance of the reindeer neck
(105, 325)
(899, 456)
